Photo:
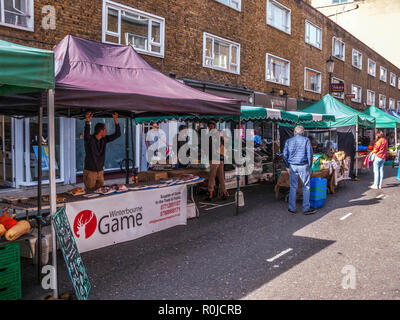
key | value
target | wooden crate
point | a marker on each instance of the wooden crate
(151, 176)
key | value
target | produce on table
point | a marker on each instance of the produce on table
(58, 199)
(2, 230)
(7, 222)
(22, 227)
(77, 191)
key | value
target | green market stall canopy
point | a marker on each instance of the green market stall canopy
(345, 116)
(25, 69)
(249, 113)
(383, 119)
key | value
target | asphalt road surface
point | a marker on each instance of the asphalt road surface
(347, 250)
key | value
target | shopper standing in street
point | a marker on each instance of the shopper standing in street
(298, 157)
(95, 151)
(380, 149)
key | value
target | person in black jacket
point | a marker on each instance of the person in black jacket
(95, 150)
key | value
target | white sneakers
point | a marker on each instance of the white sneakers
(375, 187)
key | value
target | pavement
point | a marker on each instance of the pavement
(347, 250)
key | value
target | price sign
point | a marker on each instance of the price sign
(71, 254)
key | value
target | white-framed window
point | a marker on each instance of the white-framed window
(128, 26)
(371, 67)
(235, 4)
(382, 101)
(392, 79)
(398, 84)
(313, 35)
(17, 14)
(392, 103)
(338, 48)
(312, 80)
(221, 54)
(338, 95)
(370, 98)
(357, 91)
(277, 70)
(383, 74)
(357, 59)
(278, 16)
(398, 106)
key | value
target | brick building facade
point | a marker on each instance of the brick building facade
(187, 21)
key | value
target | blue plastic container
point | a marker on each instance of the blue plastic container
(318, 183)
(318, 191)
(398, 173)
(317, 203)
(317, 196)
(362, 148)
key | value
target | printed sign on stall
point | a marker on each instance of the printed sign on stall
(108, 220)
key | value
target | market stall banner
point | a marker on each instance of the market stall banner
(108, 220)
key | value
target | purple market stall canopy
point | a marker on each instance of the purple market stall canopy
(104, 78)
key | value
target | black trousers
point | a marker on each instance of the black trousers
(352, 172)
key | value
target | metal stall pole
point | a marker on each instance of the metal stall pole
(395, 138)
(39, 195)
(273, 154)
(237, 173)
(131, 122)
(356, 150)
(52, 185)
(127, 150)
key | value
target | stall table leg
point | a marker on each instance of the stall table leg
(194, 202)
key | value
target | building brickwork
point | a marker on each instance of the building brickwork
(185, 23)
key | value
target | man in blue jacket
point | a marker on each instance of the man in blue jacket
(298, 157)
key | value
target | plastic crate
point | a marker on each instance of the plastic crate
(317, 203)
(9, 253)
(10, 282)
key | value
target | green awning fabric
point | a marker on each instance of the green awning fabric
(383, 119)
(25, 69)
(249, 113)
(345, 116)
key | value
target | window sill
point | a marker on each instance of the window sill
(308, 90)
(221, 69)
(287, 32)
(359, 68)
(312, 45)
(153, 54)
(282, 84)
(227, 5)
(30, 29)
(338, 58)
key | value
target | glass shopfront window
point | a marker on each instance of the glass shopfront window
(115, 151)
(30, 147)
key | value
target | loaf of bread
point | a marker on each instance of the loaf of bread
(22, 227)
(2, 230)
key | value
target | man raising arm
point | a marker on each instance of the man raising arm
(95, 151)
